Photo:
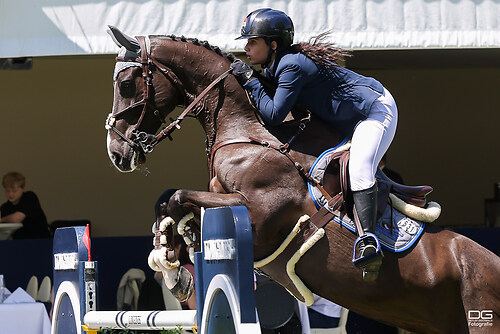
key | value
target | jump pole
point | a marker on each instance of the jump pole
(223, 277)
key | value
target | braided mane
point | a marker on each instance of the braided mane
(229, 56)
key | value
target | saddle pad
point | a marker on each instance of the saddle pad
(396, 232)
(318, 171)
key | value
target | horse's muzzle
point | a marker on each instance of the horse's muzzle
(124, 157)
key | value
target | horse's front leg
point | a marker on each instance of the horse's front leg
(180, 206)
(185, 201)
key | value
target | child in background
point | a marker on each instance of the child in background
(23, 207)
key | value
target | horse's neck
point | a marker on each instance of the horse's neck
(226, 113)
(226, 104)
(186, 60)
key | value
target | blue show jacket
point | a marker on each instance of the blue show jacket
(300, 81)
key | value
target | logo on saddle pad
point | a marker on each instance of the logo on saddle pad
(396, 231)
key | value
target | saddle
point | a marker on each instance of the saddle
(413, 195)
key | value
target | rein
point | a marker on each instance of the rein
(283, 149)
(146, 141)
(143, 140)
(175, 124)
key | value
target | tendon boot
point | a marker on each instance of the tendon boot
(370, 253)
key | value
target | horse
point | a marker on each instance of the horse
(438, 285)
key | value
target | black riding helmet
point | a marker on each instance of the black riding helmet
(270, 24)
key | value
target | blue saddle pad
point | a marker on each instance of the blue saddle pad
(396, 232)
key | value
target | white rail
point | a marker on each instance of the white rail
(140, 319)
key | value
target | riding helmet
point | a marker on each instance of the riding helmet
(270, 23)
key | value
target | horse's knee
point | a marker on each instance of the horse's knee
(176, 202)
(162, 202)
(178, 197)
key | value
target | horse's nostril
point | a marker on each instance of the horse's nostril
(117, 158)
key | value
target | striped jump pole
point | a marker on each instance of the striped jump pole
(142, 320)
(225, 298)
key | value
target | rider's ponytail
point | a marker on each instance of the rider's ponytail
(321, 52)
(327, 56)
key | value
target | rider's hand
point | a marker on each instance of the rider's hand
(242, 71)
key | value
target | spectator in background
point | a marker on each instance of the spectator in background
(23, 207)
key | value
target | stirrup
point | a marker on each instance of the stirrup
(363, 261)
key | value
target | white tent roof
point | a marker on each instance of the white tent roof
(72, 27)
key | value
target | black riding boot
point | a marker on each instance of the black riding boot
(365, 204)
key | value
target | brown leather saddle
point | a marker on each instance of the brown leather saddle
(414, 195)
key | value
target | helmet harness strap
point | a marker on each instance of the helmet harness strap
(269, 54)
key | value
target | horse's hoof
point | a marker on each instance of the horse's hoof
(184, 287)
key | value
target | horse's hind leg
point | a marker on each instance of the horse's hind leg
(480, 286)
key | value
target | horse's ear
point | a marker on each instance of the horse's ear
(121, 39)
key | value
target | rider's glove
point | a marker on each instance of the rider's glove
(242, 71)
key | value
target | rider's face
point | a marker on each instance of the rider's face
(257, 50)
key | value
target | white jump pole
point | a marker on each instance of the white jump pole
(143, 320)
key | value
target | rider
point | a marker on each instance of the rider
(308, 73)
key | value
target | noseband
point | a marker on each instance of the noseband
(140, 139)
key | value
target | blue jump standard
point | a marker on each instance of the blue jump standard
(223, 275)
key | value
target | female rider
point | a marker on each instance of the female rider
(305, 73)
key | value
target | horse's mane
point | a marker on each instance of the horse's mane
(322, 53)
(229, 56)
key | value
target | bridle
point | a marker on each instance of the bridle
(142, 140)
(146, 141)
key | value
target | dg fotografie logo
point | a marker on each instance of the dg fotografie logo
(477, 318)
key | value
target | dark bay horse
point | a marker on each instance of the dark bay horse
(431, 288)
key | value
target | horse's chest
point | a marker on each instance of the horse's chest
(216, 186)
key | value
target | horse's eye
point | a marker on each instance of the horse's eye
(127, 88)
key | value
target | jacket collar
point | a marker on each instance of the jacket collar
(271, 71)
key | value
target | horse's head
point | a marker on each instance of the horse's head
(144, 93)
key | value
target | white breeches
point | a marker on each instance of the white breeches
(370, 140)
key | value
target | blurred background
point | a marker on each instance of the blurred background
(441, 62)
